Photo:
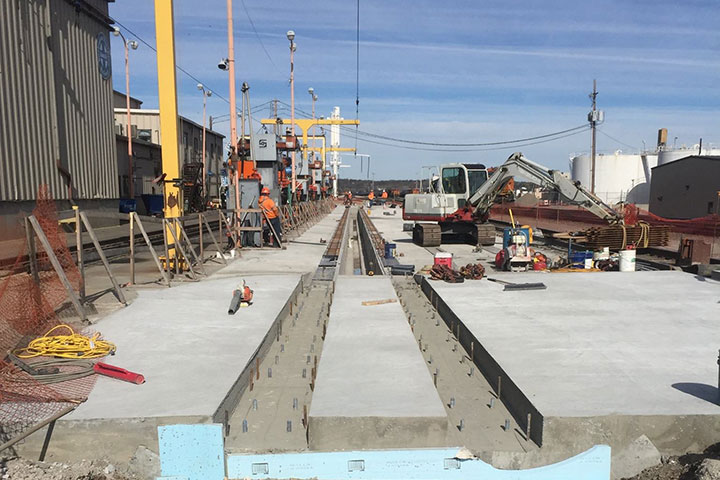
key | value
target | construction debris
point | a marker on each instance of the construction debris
(468, 272)
(369, 303)
(519, 286)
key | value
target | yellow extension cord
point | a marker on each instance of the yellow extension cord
(67, 346)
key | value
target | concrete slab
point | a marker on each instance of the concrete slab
(303, 254)
(373, 389)
(642, 343)
(186, 345)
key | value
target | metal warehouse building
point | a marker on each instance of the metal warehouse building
(686, 188)
(56, 111)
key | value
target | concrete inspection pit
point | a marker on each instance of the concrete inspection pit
(601, 356)
(193, 356)
(373, 389)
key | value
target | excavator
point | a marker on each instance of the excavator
(460, 198)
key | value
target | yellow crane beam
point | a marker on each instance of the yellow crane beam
(167, 100)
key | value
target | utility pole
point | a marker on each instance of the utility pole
(593, 118)
(233, 105)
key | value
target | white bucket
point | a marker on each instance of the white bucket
(627, 260)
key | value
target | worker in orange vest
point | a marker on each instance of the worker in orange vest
(371, 197)
(272, 212)
(383, 197)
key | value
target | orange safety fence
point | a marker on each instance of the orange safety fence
(28, 309)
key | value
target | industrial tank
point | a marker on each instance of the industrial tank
(618, 177)
(671, 154)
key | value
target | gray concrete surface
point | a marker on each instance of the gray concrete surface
(372, 385)
(303, 254)
(642, 343)
(187, 346)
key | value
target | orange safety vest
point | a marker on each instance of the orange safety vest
(371, 196)
(268, 206)
(384, 195)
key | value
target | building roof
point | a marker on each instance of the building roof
(132, 99)
(690, 157)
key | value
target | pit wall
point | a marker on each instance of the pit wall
(244, 381)
(518, 404)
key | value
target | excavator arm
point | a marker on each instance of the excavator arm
(517, 165)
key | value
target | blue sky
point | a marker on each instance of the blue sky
(454, 72)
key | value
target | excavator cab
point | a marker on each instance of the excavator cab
(449, 190)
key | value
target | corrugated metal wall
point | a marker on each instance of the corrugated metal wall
(28, 143)
(56, 112)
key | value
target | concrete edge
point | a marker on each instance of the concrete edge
(372, 432)
(527, 416)
(115, 439)
(227, 406)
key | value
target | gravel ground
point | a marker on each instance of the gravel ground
(21, 469)
(691, 466)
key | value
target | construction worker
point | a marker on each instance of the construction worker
(371, 197)
(272, 212)
(384, 197)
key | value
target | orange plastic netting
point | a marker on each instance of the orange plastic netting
(28, 308)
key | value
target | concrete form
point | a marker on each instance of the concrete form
(373, 389)
(605, 356)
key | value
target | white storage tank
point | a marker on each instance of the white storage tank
(618, 177)
(670, 154)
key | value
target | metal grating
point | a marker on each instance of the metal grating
(356, 465)
(260, 469)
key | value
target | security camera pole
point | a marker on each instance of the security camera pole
(233, 109)
(291, 37)
(128, 45)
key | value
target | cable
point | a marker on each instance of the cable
(618, 141)
(67, 346)
(357, 75)
(63, 369)
(559, 134)
(477, 149)
(252, 24)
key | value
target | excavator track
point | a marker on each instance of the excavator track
(427, 234)
(485, 234)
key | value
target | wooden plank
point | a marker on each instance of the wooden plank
(80, 250)
(192, 249)
(56, 265)
(212, 236)
(101, 254)
(132, 248)
(368, 303)
(178, 246)
(166, 277)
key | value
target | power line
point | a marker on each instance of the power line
(357, 74)
(152, 47)
(252, 24)
(618, 141)
(579, 128)
(424, 149)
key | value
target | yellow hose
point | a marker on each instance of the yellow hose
(67, 346)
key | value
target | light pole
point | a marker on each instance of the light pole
(128, 45)
(314, 98)
(205, 93)
(291, 37)
(229, 65)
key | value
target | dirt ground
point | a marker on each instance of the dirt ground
(691, 466)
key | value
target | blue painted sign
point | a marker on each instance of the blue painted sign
(103, 54)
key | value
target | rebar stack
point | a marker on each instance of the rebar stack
(618, 237)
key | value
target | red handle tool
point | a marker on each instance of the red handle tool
(119, 373)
